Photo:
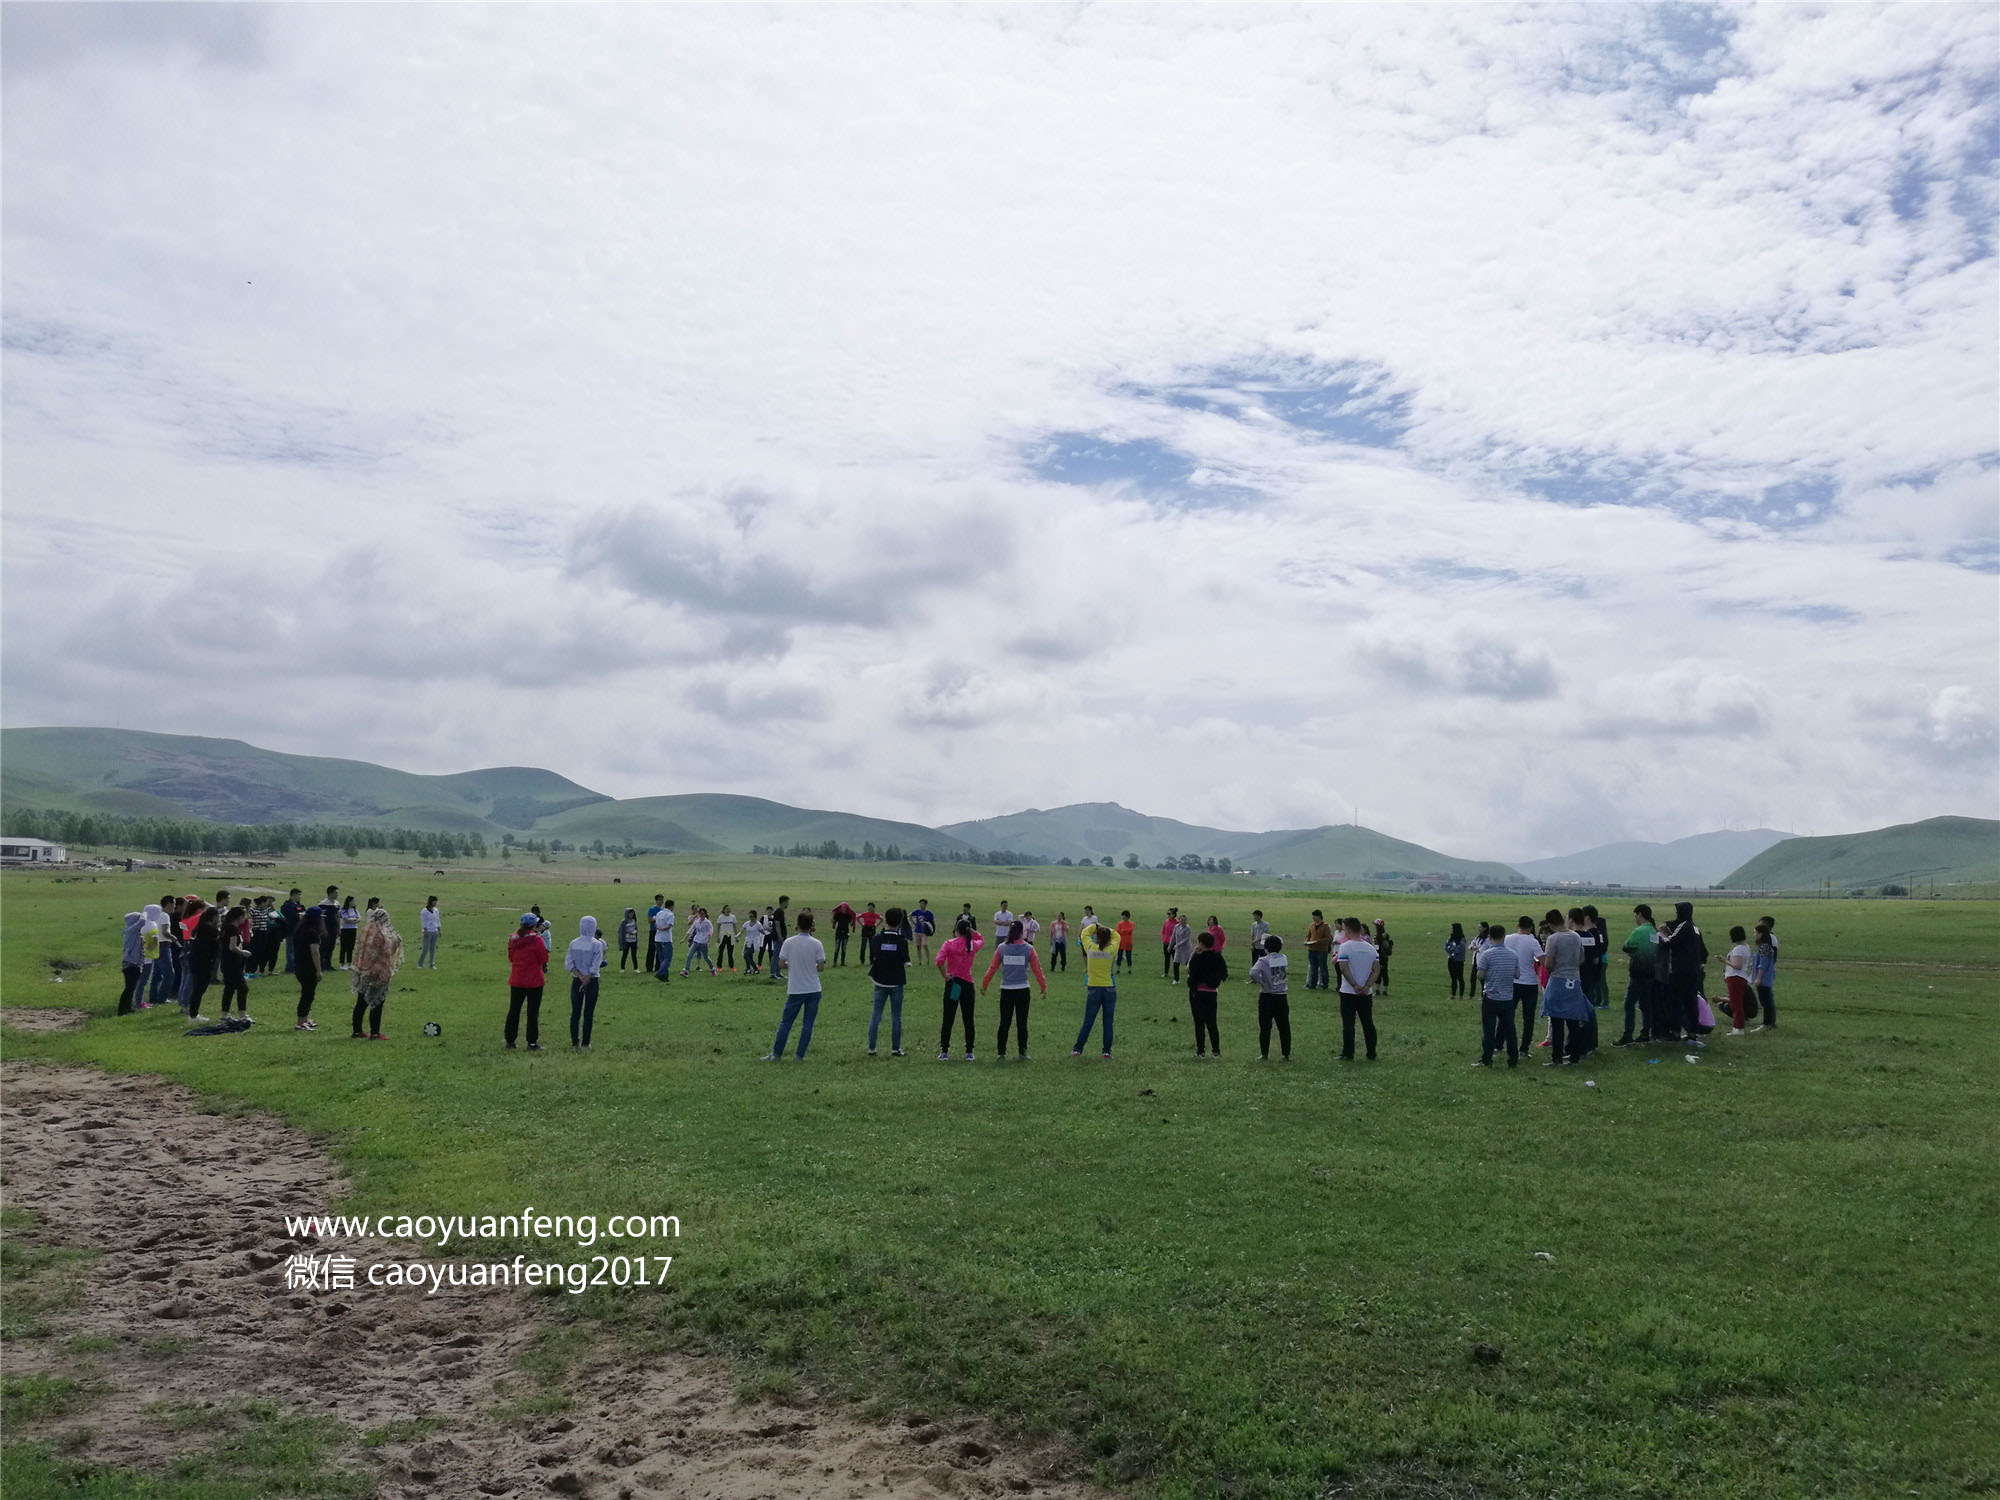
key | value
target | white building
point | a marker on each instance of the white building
(15, 851)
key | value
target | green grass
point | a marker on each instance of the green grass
(1773, 1272)
(254, 1454)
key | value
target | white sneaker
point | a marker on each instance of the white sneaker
(769, 1057)
(1737, 1032)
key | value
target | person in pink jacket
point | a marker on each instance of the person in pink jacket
(954, 961)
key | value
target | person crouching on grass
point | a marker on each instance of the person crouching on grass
(378, 953)
(801, 961)
(954, 961)
(583, 961)
(527, 972)
(1014, 960)
(1205, 974)
(1100, 986)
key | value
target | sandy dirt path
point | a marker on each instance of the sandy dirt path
(184, 1209)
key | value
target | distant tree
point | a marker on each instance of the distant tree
(1895, 890)
(1106, 861)
(1066, 862)
(892, 852)
(1131, 861)
(1190, 862)
(597, 846)
(506, 841)
(351, 852)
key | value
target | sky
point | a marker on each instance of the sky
(1517, 428)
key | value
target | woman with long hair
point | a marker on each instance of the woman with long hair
(377, 955)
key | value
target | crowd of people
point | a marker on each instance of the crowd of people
(179, 948)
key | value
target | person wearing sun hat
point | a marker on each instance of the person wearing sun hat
(527, 972)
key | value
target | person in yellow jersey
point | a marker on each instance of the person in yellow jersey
(1100, 983)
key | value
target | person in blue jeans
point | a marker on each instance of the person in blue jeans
(1100, 986)
(889, 968)
(800, 961)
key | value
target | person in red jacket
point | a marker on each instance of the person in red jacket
(527, 972)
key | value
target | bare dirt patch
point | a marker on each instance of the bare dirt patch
(186, 1303)
(42, 1017)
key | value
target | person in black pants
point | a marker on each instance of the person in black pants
(234, 961)
(204, 954)
(306, 966)
(584, 961)
(1274, 1007)
(527, 972)
(1454, 959)
(1356, 960)
(1205, 973)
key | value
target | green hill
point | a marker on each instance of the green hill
(170, 775)
(1091, 830)
(1940, 851)
(1361, 854)
(721, 821)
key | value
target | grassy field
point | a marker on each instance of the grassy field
(1773, 1273)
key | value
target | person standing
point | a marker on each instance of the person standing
(1496, 970)
(1357, 962)
(1736, 980)
(1274, 1008)
(1216, 935)
(1384, 946)
(663, 942)
(350, 929)
(628, 938)
(1030, 928)
(1125, 930)
(725, 939)
(954, 961)
(1259, 930)
(430, 922)
(753, 941)
(889, 970)
(1764, 972)
(527, 973)
(293, 911)
(1319, 951)
(1003, 922)
(1527, 990)
(329, 912)
(1563, 999)
(1059, 943)
(801, 960)
(1454, 959)
(583, 961)
(204, 957)
(306, 966)
(1685, 953)
(1205, 975)
(1167, 942)
(843, 923)
(233, 960)
(699, 928)
(869, 920)
(923, 922)
(132, 958)
(1100, 986)
(652, 941)
(1181, 950)
(378, 954)
(1014, 961)
(1639, 1002)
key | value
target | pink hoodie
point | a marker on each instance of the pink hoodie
(955, 958)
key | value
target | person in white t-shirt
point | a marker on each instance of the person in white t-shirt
(1357, 963)
(1002, 920)
(663, 942)
(429, 923)
(800, 960)
(725, 940)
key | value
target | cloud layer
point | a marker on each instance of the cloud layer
(1535, 427)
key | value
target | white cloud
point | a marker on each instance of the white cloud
(682, 368)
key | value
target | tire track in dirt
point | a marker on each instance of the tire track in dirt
(185, 1209)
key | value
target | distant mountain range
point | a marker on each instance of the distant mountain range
(1702, 859)
(139, 774)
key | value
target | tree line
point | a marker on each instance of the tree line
(200, 836)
